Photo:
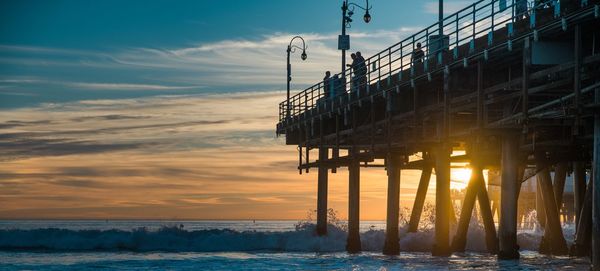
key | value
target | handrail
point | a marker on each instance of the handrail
(460, 28)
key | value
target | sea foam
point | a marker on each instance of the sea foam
(175, 239)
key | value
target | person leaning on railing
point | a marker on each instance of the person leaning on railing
(417, 54)
(355, 77)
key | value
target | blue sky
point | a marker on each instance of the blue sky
(167, 109)
(58, 51)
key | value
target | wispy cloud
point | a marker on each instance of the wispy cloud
(449, 6)
(118, 86)
(225, 65)
(197, 156)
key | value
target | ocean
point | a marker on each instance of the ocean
(243, 245)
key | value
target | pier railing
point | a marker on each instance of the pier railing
(462, 27)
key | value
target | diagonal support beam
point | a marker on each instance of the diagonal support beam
(417, 209)
(553, 234)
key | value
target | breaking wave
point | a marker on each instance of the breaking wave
(174, 239)
(302, 239)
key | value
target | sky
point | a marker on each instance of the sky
(167, 109)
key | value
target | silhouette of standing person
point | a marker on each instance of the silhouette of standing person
(362, 69)
(328, 83)
(521, 9)
(355, 77)
(417, 54)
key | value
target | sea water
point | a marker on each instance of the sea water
(243, 245)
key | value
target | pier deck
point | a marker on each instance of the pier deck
(514, 89)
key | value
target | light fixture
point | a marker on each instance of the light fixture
(367, 17)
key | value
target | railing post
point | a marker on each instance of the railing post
(474, 21)
(493, 11)
(390, 61)
(378, 69)
(457, 31)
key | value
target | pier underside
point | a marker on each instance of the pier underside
(523, 103)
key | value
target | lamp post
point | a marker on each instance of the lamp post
(291, 48)
(344, 40)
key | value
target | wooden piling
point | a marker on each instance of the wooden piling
(583, 240)
(539, 204)
(442, 195)
(596, 188)
(507, 235)
(322, 193)
(391, 245)
(353, 242)
(560, 176)
(491, 238)
(460, 238)
(553, 234)
(578, 187)
(417, 209)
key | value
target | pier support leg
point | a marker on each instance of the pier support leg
(353, 242)
(560, 176)
(491, 238)
(583, 240)
(417, 209)
(442, 195)
(508, 199)
(578, 187)
(540, 211)
(392, 245)
(596, 189)
(460, 239)
(553, 234)
(322, 194)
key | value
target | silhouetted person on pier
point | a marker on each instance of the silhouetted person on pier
(417, 54)
(521, 9)
(355, 77)
(362, 69)
(328, 83)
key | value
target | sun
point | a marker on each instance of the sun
(459, 178)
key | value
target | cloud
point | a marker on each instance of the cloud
(450, 7)
(95, 85)
(117, 86)
(229, 65)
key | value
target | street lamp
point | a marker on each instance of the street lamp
(291, 48)
(344, 40)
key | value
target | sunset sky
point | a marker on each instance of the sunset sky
(167, 109)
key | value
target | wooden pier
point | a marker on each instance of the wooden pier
(517, 90)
